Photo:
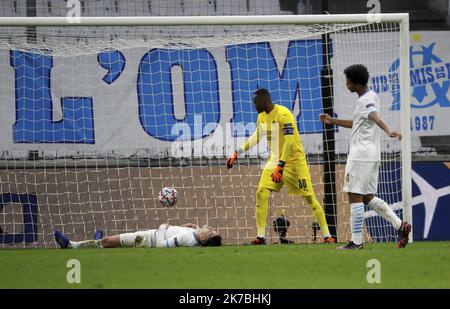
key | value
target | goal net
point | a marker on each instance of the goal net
(95, 120)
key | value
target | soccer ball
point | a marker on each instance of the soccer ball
(168, 197)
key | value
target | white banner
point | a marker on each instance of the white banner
(184, 102)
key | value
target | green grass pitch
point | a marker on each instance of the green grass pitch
(420, 265)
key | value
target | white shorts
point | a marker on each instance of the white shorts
(138, 239)
(361, 177)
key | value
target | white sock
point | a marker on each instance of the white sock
(261, 232)
(326, 235)
(382, 209)
(356, 222)
(86, 244)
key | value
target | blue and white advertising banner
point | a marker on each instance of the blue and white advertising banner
(199, 101)
(430, 83)
(430, 203)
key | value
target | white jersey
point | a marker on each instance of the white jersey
(176, 236)
(366, 136)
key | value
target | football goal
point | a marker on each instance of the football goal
(98, 114)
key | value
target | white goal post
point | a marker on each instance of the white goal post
(206, 20)
(66, 174)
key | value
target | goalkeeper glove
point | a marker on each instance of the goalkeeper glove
(277, 174)
(232, 159)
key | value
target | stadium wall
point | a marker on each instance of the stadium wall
(125, 199)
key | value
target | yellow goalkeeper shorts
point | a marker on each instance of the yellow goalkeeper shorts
(296, 178)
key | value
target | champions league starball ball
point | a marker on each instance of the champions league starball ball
(168, 197)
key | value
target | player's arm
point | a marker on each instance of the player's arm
(249, 143)
(287, 127)
(253, 139)
(375, 117)
(327, 119)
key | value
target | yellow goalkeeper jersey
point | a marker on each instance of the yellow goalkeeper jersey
(279, 126)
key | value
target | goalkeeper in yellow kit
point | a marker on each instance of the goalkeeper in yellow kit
(286, 165)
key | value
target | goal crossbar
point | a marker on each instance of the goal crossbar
(202, 20)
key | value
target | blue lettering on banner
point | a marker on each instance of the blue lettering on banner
(201, 93)
(114, 62)
(429, 80)
(30, 218)
(34, 111)
(253, 66)
(423, 123)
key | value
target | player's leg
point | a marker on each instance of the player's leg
(355, 184)
(377, 204)
(111, 241)
(105, 242)
(262, 209)
(318, 213)
(65, 243)
(265, 187)
(138, 239)
(356, 221)
(86, 244)
(298, 182)
(383, 210)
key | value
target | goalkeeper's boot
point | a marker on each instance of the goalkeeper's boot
(284, 240)
(329, 240)
(62, 240)
(258, 241)
(350, 246)
(403, 234)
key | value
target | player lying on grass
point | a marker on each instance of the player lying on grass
(363, 161)
(286, 165)
(187, 235)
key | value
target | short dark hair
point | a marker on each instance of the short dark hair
(263, 93)
(214, 241)
(357, 74)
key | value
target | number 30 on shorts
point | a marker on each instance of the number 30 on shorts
(302, 184)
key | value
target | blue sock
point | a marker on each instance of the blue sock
(357, 221)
